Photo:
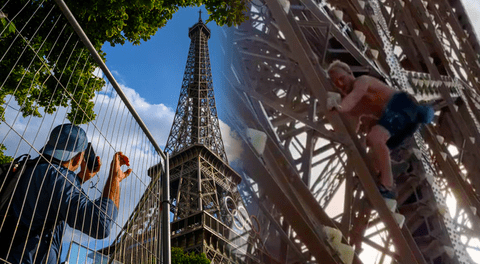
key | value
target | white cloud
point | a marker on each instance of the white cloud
(472, 8)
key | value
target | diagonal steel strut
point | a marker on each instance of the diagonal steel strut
(409, 252)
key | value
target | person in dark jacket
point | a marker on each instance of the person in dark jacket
(49, 196)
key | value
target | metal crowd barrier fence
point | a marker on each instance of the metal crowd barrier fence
(50, 75)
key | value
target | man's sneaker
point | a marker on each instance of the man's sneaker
(386, 193)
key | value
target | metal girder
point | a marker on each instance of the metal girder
(434, 72)
(453, 43)
(472, 105)
(459, 31)
(308, 34)
(300, 117)
(463, 191)
(446, 31)
(277, 224)
(307, 159)
(338, 34)
(408, 249)
(297, 205)
(459, 121)
(347, 206)
(196, 120)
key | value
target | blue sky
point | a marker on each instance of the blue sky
(155, 68)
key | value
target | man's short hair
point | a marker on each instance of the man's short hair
(339, 65)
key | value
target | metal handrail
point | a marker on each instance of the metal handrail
(78, 29)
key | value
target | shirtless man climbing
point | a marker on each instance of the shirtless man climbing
(390, 116)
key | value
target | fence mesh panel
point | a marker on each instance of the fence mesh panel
(48, 78)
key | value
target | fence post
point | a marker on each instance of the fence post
(165, 232)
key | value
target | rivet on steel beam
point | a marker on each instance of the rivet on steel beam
(362, 4)
(361, 18)
(374, 53)
(391, 204)
(399, 218)
(346, 253)
(442, 209)
(474, 209)
(440, 139)
(360, 36)
(444, 155)
(449, 251)
(334, 236)
(286, 5)
(472, 139)
(430, 178)
(338, 14)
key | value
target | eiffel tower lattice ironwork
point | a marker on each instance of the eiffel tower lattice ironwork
(209, 215)
(196, 120)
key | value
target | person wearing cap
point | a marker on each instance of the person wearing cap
(387, 117)
(49, 196)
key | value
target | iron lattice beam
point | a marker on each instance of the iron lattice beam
(196, 120)
(281, 75)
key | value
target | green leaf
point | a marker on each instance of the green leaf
(11, 28)
(4, 158)
(38, 79)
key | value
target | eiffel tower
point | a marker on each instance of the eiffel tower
(196, 120)
(204, 195)
(209, 214)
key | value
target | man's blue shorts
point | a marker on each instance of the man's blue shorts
(400, 118)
